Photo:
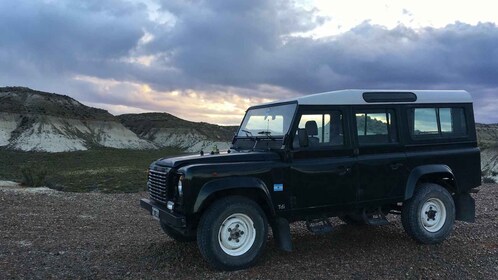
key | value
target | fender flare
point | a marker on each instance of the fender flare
(232, 183)
(423, 170)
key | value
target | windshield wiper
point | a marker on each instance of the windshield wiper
(247, 132)
(256, 139)
(251, 136)
(267, 133)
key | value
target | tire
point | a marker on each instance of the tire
(233, 218)
(176, 235)
(353, 219)
(428, 216)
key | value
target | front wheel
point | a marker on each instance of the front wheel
(232, 233)
(429, 215)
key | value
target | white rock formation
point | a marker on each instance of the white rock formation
(115, 135)
(55, 134)
(489, 163)
(8, 123)
(185, 139)
(32, 120)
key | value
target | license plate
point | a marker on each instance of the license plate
(155, 213)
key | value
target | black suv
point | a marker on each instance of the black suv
(354, 154)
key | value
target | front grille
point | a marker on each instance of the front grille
(157, 185)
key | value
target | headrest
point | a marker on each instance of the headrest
(311, 128)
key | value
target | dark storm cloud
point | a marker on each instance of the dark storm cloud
(240, 45)
(67, 36)
(372, 56)
(228, 42)
(246, 45)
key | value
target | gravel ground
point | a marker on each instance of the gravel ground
(49, 234)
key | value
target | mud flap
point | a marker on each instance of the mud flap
(465, 208)
(281, 233)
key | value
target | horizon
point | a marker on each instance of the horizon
(153, 112)
(208, 61)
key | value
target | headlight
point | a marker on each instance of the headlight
(180, 186)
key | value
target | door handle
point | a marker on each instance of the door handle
(343, 170)
(396, 166)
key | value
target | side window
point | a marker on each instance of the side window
(425, 121)
(445, 119)
(322, 129)
(453, 122)
(438, 122)
(376, 128)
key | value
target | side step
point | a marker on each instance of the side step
(376, 218)
(319, 226)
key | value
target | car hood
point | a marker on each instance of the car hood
(177, 162)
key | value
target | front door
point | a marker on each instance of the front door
(322, 174)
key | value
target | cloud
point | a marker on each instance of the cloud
(225, 105)
(219, 57)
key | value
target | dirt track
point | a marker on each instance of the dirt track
(67, 235)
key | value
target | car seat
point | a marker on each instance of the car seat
(312, 131)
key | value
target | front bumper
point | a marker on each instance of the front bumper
(165, 216)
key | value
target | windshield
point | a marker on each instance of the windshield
(268, 121)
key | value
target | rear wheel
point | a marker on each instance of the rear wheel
(232, 233)
(176, 235)
(428, 217)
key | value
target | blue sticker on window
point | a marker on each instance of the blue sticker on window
(278, 187)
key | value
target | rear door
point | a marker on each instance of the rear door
(323, 174)
(382, 164)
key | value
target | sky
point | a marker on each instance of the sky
(210, 60)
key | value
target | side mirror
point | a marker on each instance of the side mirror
(302, 135)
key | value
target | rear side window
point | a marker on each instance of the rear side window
(425, 121)
(437, 122)
(375, 127)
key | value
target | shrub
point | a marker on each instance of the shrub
(33, 177)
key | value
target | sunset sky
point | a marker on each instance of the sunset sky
(210, 60)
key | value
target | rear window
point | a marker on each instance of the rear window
(437, 122)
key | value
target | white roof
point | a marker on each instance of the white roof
(355, 97)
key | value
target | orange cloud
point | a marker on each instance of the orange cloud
(221, 106)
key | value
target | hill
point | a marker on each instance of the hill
(487, 135)
(166, 130)
(22, 100)
(32, 120)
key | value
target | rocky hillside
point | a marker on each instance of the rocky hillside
(32, 120)
(487, 135)
(166, 130)
(489, 163)
(38, 121)
(22, 100)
